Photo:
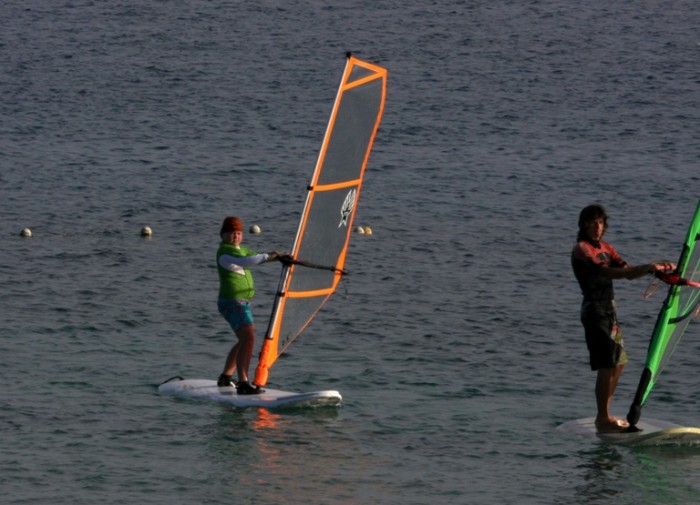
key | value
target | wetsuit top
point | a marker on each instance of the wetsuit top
(235, 279)
(587, 258)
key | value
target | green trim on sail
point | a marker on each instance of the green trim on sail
(677, 311)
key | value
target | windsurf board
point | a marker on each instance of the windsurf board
(653, 432)
(205, 389)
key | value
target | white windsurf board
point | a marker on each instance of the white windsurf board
(653, 432)
(206, 389)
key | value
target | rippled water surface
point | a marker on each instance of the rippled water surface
(455, 341)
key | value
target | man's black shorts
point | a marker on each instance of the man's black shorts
(603, 336)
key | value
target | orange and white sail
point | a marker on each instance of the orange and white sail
(326, 224)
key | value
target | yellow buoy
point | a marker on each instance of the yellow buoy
(255, 229)
(26, 232)
(146, 231)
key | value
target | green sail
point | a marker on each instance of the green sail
(679, 308)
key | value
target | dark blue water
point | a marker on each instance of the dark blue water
(455, 342)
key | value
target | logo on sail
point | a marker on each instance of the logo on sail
(346, 209)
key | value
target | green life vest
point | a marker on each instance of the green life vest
(235, 285)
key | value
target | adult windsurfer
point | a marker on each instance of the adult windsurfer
(596, 264)
(236, 289)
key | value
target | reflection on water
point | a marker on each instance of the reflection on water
(601, 473)
(267, 420)
(273, 453)
(620, 475)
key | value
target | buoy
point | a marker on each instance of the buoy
(368, 230)
(146, 231)
(360, 230)
(255, 229)
(26, 232)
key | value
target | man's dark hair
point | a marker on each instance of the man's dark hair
(588, 214)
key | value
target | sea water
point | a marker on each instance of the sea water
(455, 338)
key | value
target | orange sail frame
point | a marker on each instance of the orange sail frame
(326, 223)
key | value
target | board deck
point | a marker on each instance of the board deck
(206, 389)
(653, 433)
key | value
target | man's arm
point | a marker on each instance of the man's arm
(629, 272)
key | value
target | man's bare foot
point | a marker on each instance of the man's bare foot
(611, 425)
(622, 422)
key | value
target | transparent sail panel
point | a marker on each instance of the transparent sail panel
(326, 224)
